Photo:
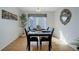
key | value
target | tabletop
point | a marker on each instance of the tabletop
(39, 33)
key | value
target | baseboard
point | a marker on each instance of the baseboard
(8, 43)
(73, 46)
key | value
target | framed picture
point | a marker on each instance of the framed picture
(5, 15)
(8, 15)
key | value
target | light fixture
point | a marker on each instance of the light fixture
(38, 9)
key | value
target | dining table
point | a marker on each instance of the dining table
(39, 33)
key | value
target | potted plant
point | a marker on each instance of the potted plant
(38, 27)
(23, 20)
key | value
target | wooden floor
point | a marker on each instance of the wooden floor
(20, 45)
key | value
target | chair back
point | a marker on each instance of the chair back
(52, 33)
(48, 28)
(29, 29)
(26, 32)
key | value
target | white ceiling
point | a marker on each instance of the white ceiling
(42, 9)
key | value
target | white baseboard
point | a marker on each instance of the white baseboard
(9, 43)
(73, 46)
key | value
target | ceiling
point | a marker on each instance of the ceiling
(38, 9)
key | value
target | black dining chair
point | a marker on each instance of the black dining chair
(49, 38)
(47, 28)
(30, 39)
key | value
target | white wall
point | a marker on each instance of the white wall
(50, 19)
(9, 29)
(70, 31)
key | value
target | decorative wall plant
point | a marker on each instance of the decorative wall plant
(65, 16)
(23, 20)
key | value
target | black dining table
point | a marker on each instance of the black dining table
(39, 33)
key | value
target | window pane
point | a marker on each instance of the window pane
(34, 21)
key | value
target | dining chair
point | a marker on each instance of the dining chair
(30, 39)
(29, 28)
(47, 28)
(49, 38)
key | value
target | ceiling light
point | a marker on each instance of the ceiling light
(38, 9)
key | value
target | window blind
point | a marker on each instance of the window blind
(37, 15)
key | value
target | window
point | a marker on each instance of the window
(37, 20)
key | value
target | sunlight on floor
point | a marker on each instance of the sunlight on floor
(62, 38)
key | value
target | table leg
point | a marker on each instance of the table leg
(38, 42)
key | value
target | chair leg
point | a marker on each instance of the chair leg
(37, 45)
(40, 44)
(29, 46)
(49, 45)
